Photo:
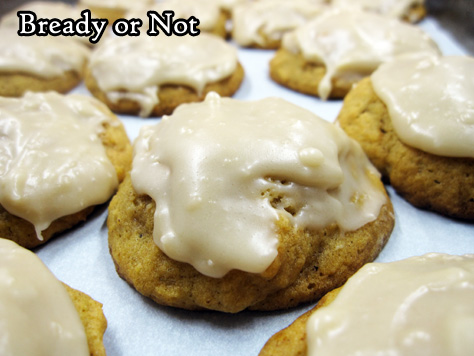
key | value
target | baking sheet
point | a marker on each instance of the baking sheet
(138, 326)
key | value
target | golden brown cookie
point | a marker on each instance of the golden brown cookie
(213, 152)
(291, 341)
(220, 27)
(45, 10)
(410, 12)
(16, 84)
(309, 264)
(39, 63)
(415, 14)
(326, 56)
(170, 96)
(380, 305)
(34, 301)
(428, 181)
(118, 150)
(124, 10)
(110, 10)
(295, 72)
(262, 24)
(93, 319)
(267, 42)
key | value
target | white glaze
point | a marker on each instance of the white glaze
(44, 57)
(351, 44)
(37, 316)
(123, 5)
(431, 102)
(391, 8)
(208, 166)
(139, 65)
(272, 18)
(207, 11)
(46, 10)
(418, 306)
(52, 161)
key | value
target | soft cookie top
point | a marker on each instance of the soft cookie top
(122, 5)
(401, 9)
(35, 306)
(263, 23)
(209, 167)
(46, 10)
(351, 44)
(52, 160)
(135, 67)
(207, 11)
(420, 305)
(430, 100)
(44, 57)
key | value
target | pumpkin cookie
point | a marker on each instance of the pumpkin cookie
(39, 63)
(112, 10)
(193, 228)
(61, 155)
(262, 24)
(211, 18)
(385, 308)
(33, 301)
(330, 53)
(153, 75)
(406, 10)
(48, 10)
(429, 161)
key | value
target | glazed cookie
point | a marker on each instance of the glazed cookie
(326, 56)
(45, 9)
(227, 6)
(35, 306)
(406, 10)
(39, 63)
(211, 18)
(226, 196)
(112, 9)
(153, 75)
(414, 119)
(420, 305)
(261, 24)
(60, 156)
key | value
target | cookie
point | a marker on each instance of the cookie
(93, 319)
(153, 75)
(261, 24)
(52, 316)
(211, 18)
(429, 180)
(384, 307)
(45, 10)
(203, 224)
(291, 341)
(39, 63)
(62, 155)
(329, 54)
(112, 10)
(227, 6)
(406, 10)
